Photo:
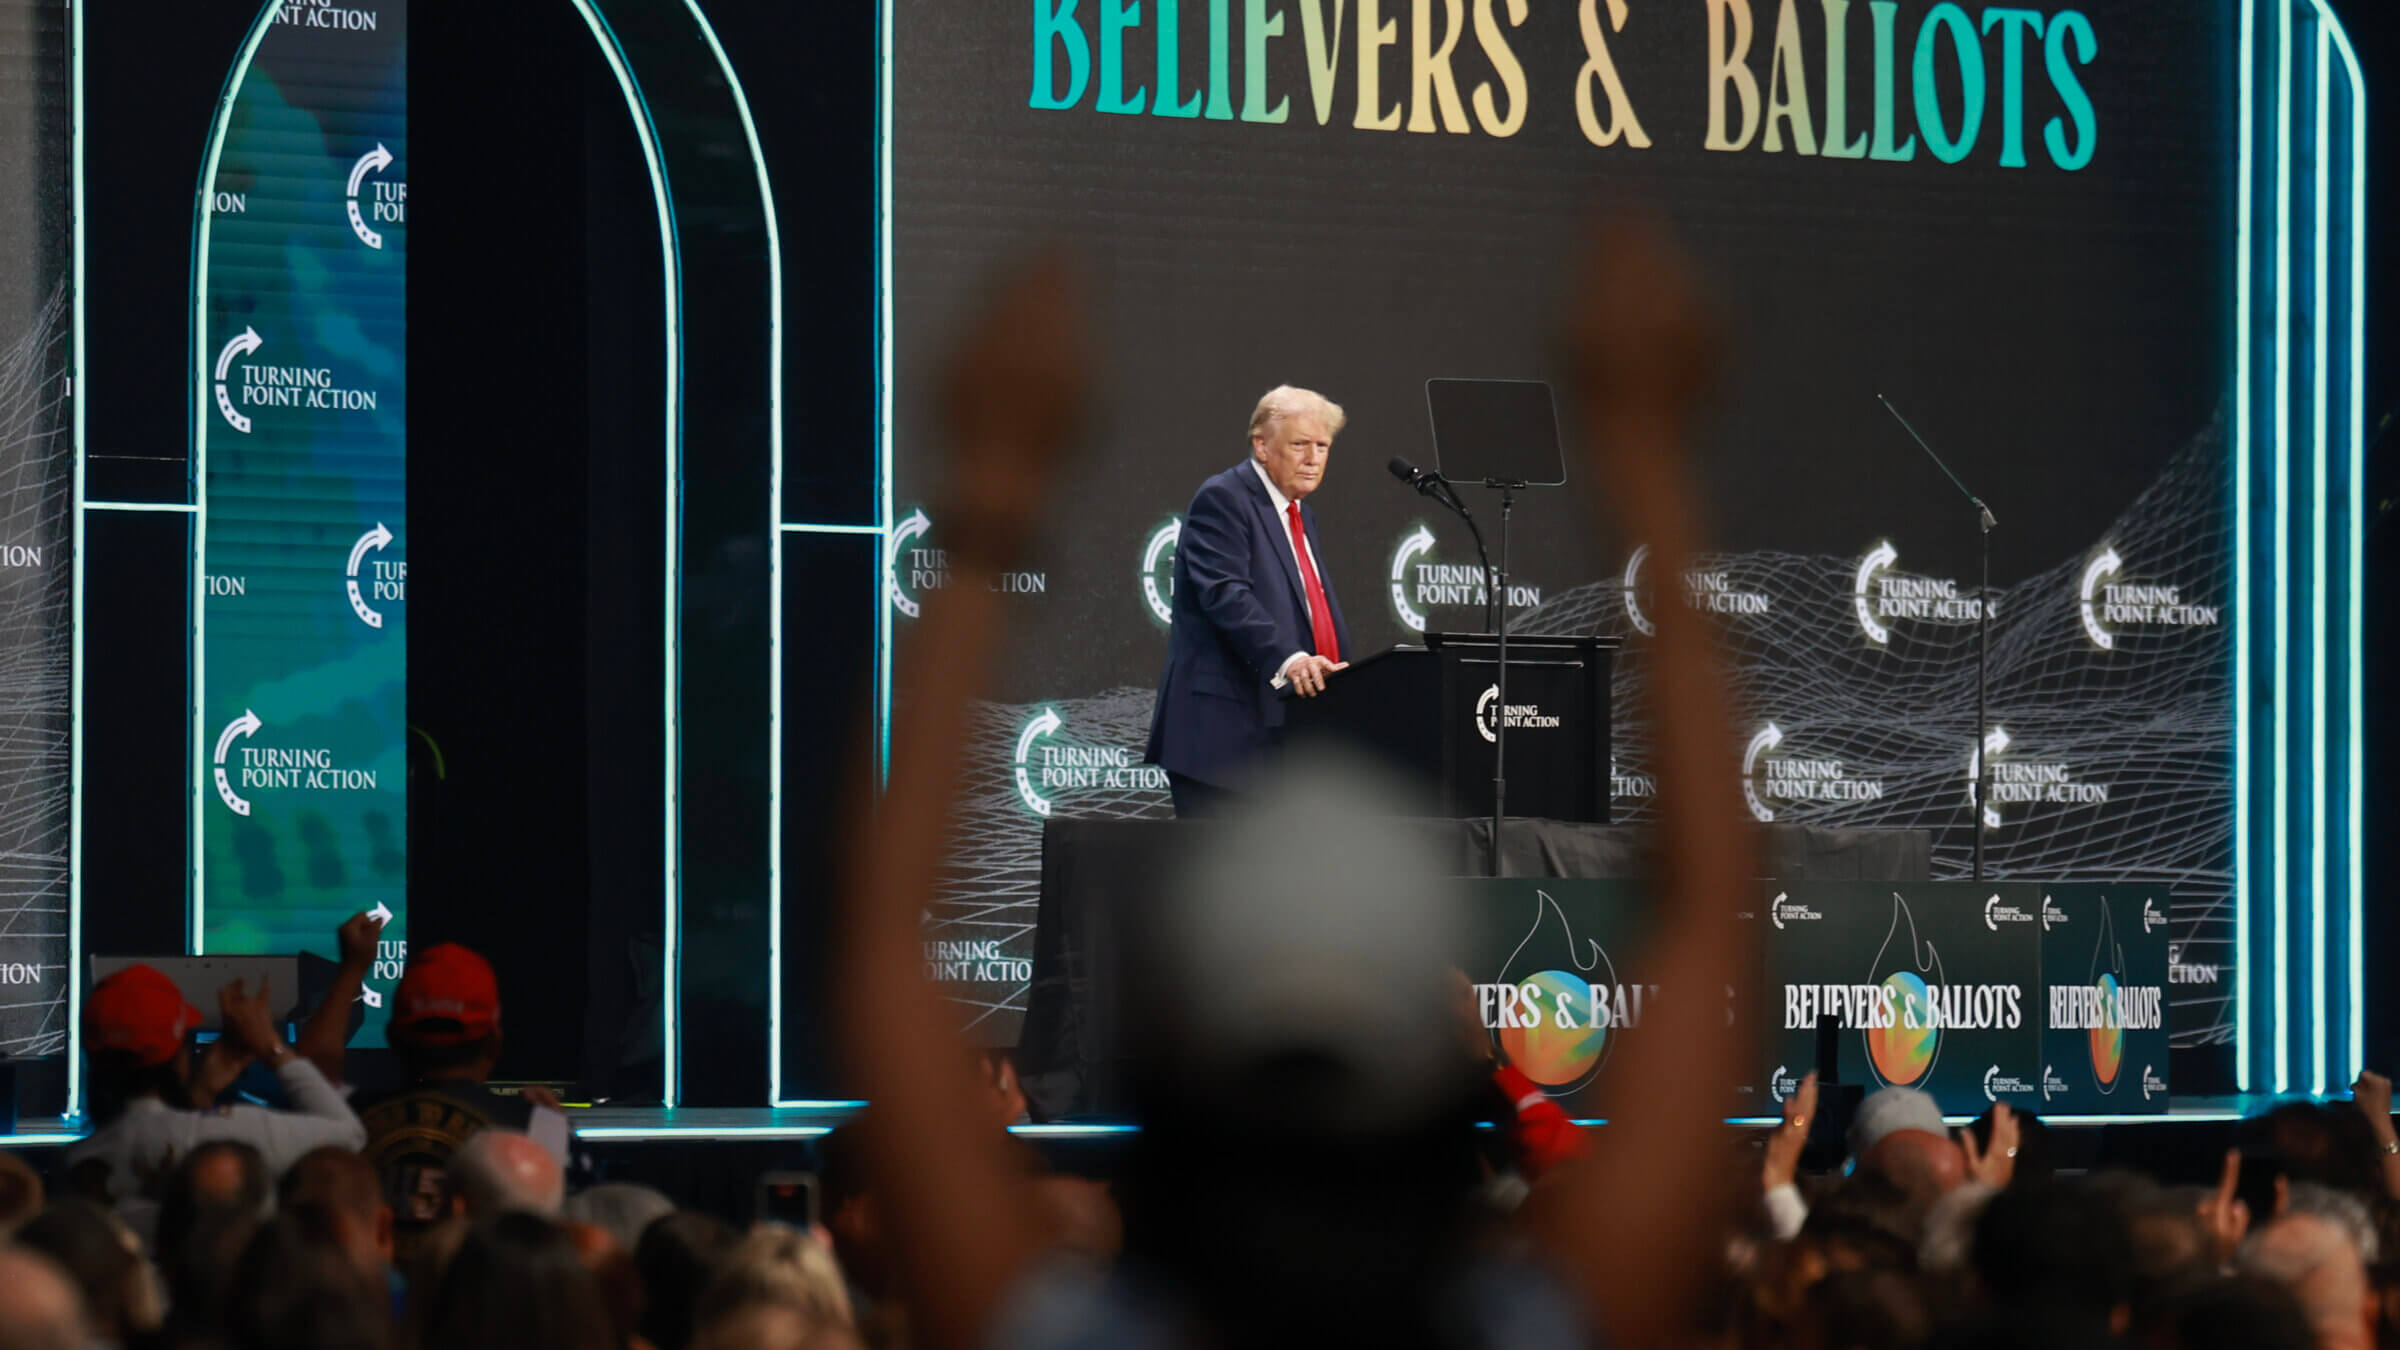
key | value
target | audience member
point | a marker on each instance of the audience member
(121, 1296)
(613, 1270)
(2246, 1312)
(299, 1287)
(152, 1104)
(518, 1283)
(2315, 1259)
(200, 1275)
(775, 1270)
(624, 1209)
(2062, 1249)
(445, 1029)
(678, 1256)
(21, 1194)
(222, 1176)
(497, 1171)
(40, 1307)
(343, 1187)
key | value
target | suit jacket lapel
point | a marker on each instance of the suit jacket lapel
(1279, 536)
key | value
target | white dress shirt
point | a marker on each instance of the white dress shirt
(1306, 562)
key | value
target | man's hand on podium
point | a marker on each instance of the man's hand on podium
(1307, 674)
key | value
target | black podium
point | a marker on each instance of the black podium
(1428, 713)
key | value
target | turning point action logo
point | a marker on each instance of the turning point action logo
(388, 205)
(2015, 782)
(1768, 777)
(1045, 771)
(1418, 583)
(310, 387)
(1708, 592)
(388, 581)
(326, 14)
(1158, 570)
(910, 569)
(1883, 597)
(261, 767)
(2106, 604)
(1528, 716)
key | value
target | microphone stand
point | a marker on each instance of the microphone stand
(1508, 503)
(1983, 632)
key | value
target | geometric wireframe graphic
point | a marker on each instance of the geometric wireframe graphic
(2109, 762)
(36, 616)
(979, 930)
(2108, 730)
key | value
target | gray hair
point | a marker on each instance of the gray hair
(1287, 401)
(621, 1207)
(2341, 1209)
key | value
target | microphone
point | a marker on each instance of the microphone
(1434, 486)
(1413, 476)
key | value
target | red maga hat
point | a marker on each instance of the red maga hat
(447, 996)
(139, 1012)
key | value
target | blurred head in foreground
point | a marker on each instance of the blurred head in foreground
(1293, 985)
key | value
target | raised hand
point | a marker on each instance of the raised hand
(1784, 1146)
(2225, 1216)
(356, 939)
(1995, 1166)
(249, 1020)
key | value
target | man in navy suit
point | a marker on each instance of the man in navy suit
(1254, 611)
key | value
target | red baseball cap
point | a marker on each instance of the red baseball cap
(139, 1012)
(447, 996)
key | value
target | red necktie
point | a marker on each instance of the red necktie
(1320, 614)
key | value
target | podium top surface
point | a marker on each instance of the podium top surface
(1546, 643)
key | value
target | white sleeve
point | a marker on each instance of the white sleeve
(1786, 1211)
(319, 1116)
(1282, 672)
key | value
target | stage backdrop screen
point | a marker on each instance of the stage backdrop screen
(2013, 222)
(300, 440)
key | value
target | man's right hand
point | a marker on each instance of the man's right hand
(1307, 674)
(247, 1020)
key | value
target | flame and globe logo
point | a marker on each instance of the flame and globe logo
(2108, 1039)
(1903, 1052)
(2108, 980)
(1549, 1054)
(1908, 969)
(1554, 972)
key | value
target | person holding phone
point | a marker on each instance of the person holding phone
(154, 1100)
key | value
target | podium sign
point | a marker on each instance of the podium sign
(1937, 986)
(2104, 999)
(1432, 715)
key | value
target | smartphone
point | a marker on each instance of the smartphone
(2256, 1187)
(788, 1198)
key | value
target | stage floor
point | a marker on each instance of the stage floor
(812, 1120)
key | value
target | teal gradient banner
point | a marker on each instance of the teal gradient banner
(300, 446)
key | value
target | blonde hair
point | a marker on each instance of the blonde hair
(778, 1267)
(1286, 401)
